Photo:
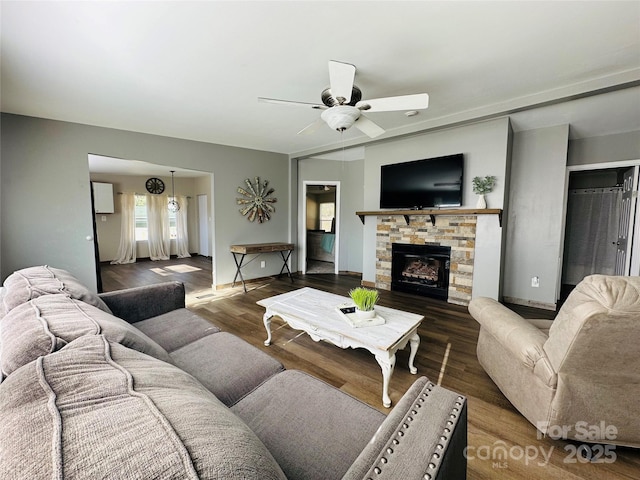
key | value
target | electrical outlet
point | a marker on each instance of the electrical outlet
(263, 264)
(104, 218)
(535, 282)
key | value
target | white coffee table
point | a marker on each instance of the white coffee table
(314, 312)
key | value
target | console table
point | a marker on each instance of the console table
(239, 253)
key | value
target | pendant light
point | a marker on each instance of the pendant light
(173, 205)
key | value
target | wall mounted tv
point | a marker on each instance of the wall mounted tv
(428, 183)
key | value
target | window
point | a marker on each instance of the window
(142, 225)
(327, 214)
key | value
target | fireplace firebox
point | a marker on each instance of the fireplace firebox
(420, 269)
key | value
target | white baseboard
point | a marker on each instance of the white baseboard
(530, 303)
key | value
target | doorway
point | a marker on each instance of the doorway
(321, 212)
(600, 223)
(131, 176)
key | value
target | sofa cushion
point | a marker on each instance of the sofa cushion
(176, 329)
(47, 323)
(97, 409)
(313, 430)
(134, 304)
(32, 282)
(227, 365)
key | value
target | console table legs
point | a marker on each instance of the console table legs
(285, 259)
(239, 253)
(239, 271)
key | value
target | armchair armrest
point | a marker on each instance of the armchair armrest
(140, 303)
(424, 436)
(519, 336)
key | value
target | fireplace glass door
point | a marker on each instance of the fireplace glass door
(421, 269)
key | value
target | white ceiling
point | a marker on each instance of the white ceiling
(194, 70)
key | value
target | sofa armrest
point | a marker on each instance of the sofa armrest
(424, 436)
(519, 336)
(140, 303)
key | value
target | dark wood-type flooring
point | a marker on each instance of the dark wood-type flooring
(447, 355)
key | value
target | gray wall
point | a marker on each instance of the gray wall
(538, 204)
(46, 176)
(486, 149)
(350, 175)
(536, 215)
(607, 148)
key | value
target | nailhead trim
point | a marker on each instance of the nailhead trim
(444, 438)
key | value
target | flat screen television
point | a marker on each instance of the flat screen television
(428, 183)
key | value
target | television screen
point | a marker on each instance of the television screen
(428, 183)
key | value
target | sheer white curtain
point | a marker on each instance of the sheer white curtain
(182, 235)
(158, 227)
(592, 233)
(127, 248)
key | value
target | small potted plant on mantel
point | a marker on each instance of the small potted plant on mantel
(365, 300)
(482, 186)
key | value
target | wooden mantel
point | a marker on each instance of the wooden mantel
(433, 213)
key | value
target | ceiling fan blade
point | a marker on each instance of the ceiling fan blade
(419, 101)
(312, 127)
(368, 127)
(341, 77)
(315, 106)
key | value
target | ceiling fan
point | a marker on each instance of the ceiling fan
(342, 103)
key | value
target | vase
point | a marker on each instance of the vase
(482, 202)
(364, 314)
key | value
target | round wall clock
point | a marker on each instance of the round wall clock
(256, 200)
(155, 185)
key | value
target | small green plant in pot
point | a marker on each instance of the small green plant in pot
(365, 299)
(482, 186)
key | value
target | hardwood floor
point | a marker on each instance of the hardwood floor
(446, 355)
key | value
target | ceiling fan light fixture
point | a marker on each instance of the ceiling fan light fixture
(341, 117)
(342, 103)
(330, 100)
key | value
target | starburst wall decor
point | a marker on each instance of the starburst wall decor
(257, 200)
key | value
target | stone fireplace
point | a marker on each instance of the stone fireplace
(456, 234)
(421, 269)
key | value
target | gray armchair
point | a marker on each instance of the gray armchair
(578, 376)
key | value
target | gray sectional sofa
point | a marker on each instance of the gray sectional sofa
(132, 385)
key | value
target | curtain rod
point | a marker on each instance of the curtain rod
(135, 193)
